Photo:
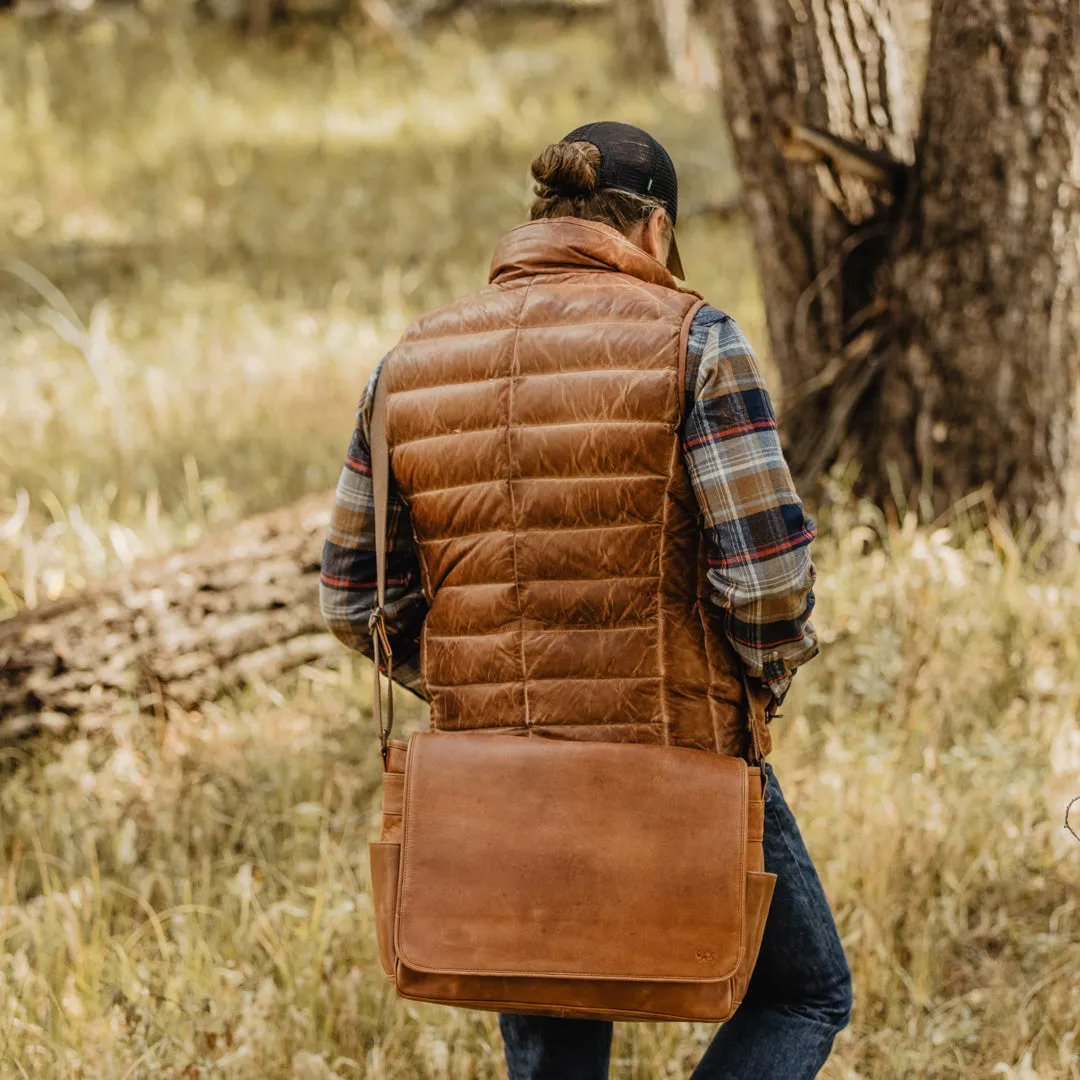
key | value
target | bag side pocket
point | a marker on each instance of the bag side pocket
(385, 864)
(759, 890)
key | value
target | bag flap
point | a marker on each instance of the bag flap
(542, 857)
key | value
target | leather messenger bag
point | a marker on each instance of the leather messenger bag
(561, 878)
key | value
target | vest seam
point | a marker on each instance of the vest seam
(522, 427)
(661, 621)
(554, 581)
(537, 375)
(584, 581)
(531, 375)
(539, 529)
(551, 678)
(644, 286)
(513, 502)
(562, 724)
(545, 630)
(538, 480)
(435, 338)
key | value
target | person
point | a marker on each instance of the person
(593, 534)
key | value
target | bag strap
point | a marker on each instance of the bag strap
(380, 639)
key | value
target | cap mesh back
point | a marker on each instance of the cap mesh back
(631, 160)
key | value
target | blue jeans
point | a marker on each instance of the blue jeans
(798, 999)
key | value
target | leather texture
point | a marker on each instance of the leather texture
(639, 894)
(534, 432)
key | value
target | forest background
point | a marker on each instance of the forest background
(207, 239)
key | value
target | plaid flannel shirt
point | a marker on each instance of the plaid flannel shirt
(758, 536)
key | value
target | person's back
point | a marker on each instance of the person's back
(535, 434)
(593, 535)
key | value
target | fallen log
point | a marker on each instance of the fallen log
(241, 607)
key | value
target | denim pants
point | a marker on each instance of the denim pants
(799, 996)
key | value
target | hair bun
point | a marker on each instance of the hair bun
(569, 168)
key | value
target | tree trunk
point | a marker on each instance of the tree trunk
(922, 286)
(983, 389)
(172, 632)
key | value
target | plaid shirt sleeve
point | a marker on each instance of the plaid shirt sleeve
(758, 536)
(347, 584)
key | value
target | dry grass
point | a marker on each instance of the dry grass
(238, 232)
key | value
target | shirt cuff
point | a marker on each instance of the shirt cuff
(780, 687)
(777, 676)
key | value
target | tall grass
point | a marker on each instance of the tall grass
(192, 900)
(210, 244)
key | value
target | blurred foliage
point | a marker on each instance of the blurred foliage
(233, 231)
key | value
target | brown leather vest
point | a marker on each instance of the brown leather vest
(534, 432)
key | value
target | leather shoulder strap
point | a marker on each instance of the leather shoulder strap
(380, 481)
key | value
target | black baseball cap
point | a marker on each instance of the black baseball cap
(632, 160)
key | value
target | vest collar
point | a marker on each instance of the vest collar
(558, 245)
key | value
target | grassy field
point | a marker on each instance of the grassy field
(206, 245)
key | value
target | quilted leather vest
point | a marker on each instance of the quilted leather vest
(534, 432)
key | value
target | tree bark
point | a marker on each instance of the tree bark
(921, 285)
(983, 387)
(172, 632)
